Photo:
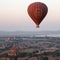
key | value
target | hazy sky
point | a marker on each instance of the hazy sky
(14, 16)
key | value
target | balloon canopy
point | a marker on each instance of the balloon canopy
(37, 11)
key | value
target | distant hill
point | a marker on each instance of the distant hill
(8, 33)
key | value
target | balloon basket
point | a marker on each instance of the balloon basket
(37, 26)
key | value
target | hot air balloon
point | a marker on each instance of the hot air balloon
(37, 11)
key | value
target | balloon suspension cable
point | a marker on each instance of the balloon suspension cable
(37, 26)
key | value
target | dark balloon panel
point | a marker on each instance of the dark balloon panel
(37, 11)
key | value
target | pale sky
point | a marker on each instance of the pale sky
(14, 16)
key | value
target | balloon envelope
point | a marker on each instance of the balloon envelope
(37, 11)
